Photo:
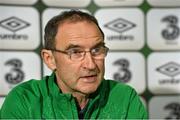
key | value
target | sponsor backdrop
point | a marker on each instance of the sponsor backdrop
(143, 37)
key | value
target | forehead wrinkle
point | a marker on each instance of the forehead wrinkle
(80, 46)
(66, 36)
(67, 28)
(75, 37)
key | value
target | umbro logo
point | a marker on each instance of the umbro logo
(170, 69)
(14, 24)
(120, 25)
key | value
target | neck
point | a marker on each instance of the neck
(81, 99)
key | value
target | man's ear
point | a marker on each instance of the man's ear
(48, 58)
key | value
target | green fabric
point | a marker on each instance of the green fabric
(43, 99)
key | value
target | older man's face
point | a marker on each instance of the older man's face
(78, 76)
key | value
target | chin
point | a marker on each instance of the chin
(89, 89)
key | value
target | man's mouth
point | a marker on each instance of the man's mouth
(89, 78)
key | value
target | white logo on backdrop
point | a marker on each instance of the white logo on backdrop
(163, 29)
(19, 28)
(170, 69)
(164, 107)
(122, 66)
(120, 25)
(14, 24)
(123, 28)
(164, 73)
(18, 67)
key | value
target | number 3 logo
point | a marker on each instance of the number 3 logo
(16, 75)
(123, 73)
(172, 30)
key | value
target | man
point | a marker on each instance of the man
(75, 52)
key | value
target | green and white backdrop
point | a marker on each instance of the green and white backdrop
(143, 37)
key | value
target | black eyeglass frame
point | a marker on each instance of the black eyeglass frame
(106, 49)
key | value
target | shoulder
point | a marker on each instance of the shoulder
(125, 96)
(31, 87)
(118, 86)
(23, 99)
(120, 90)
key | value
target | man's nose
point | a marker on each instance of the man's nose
(88, 61)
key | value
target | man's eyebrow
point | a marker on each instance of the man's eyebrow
(72, 46)
(99, 44)
(78, 46)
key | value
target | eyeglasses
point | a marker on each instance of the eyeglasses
(78, 54)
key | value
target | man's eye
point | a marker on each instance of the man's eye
(75, 51)
(96, 50)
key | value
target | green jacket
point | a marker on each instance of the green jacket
(43, 99)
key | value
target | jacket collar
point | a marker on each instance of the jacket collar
(97, 99)
(54, 90)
